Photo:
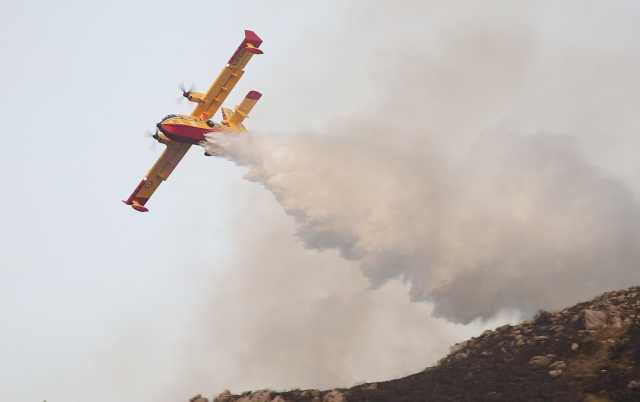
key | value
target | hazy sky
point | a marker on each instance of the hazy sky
(101, 302)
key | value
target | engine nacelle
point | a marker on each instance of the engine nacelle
(196, 97)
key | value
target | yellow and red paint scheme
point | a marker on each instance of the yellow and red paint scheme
(186, 129)
(179, 132)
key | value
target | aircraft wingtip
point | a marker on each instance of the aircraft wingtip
(255, 95)
(252, 37)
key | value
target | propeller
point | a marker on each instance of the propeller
(154, 143)
(185, 92)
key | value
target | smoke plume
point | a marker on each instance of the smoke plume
(463, 180)
(521, 223)
(466, 154)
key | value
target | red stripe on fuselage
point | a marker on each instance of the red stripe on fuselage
(185, 133)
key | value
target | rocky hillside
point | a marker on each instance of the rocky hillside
(589, 352)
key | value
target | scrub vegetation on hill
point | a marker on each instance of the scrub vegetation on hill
(589, 352)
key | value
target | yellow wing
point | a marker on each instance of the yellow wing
(211, 101)
(208, 105)
(158, 173)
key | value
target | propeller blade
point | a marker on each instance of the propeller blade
(154, 142)
(185, 91)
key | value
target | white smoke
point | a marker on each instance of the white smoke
(523, 222)
(483, 153)
(488, 172)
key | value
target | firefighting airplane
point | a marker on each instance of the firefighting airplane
(179, 132)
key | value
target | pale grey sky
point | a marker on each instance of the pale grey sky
(100, 302)
(79, 271)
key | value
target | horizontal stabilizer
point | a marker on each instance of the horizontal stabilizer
(226, 113)
(241, 111)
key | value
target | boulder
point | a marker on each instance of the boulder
(458, 347)
(634, 385)
(594, 319)
(310, 393)
(224, 396)
(334, 396)
(461, 355)
(540, 361)
(558, 365)
(616, 322)
(260, 396)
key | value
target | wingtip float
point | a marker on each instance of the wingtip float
(179, 132)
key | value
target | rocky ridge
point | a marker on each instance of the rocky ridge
(589, 352)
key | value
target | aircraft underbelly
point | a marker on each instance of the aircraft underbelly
(186, 131)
